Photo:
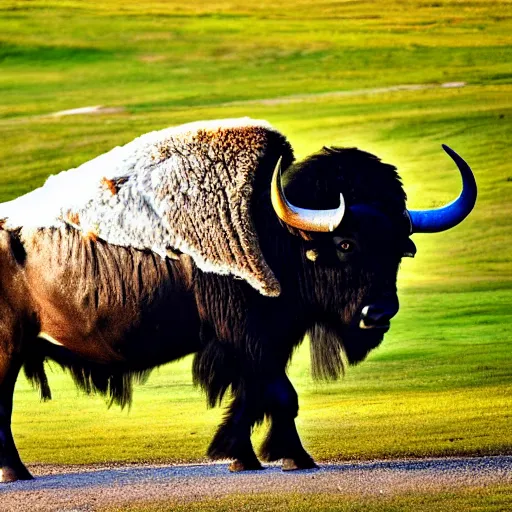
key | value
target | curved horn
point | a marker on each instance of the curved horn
(441, 219)
(301, 218)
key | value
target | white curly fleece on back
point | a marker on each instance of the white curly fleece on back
(187, 188)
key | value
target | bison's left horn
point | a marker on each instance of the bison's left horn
(441, 219)
(301, 218)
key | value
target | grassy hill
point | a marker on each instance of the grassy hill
(325, 75)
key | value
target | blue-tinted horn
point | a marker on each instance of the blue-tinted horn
(441, 219)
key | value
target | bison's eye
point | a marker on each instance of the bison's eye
(345, 245)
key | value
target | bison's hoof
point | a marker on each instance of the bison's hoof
(295, 464)
(10, 475)
(238, 465)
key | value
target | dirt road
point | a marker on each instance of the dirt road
(59, 488)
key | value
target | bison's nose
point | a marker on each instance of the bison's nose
(377, 316)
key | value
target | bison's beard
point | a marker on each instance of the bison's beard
(333, 347)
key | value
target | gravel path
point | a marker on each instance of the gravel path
(88, 488)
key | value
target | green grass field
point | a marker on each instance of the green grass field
(440, 384)
(492, 499)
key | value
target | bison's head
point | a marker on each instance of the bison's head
(349, 209)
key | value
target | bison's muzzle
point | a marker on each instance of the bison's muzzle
(378, 314)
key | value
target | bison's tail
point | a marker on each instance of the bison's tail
(35, 373)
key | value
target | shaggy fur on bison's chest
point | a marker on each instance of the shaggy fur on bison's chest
(109, 303)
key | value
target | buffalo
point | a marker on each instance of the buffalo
(192, 240)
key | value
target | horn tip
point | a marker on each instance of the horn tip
(448, 149)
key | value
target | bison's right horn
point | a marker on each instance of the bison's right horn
(446, 217)
(302, 218)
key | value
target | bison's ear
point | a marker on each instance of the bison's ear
(409, 249)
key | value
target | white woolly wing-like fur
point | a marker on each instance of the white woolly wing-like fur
(186, 188)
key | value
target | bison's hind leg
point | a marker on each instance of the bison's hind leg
(15, 328)
(11, 467)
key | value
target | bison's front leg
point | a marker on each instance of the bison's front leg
(11, 467)
(233, 438)
(283, 442)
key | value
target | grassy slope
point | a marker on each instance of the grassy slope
(440, 383)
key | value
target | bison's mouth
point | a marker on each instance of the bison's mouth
(383, 327)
